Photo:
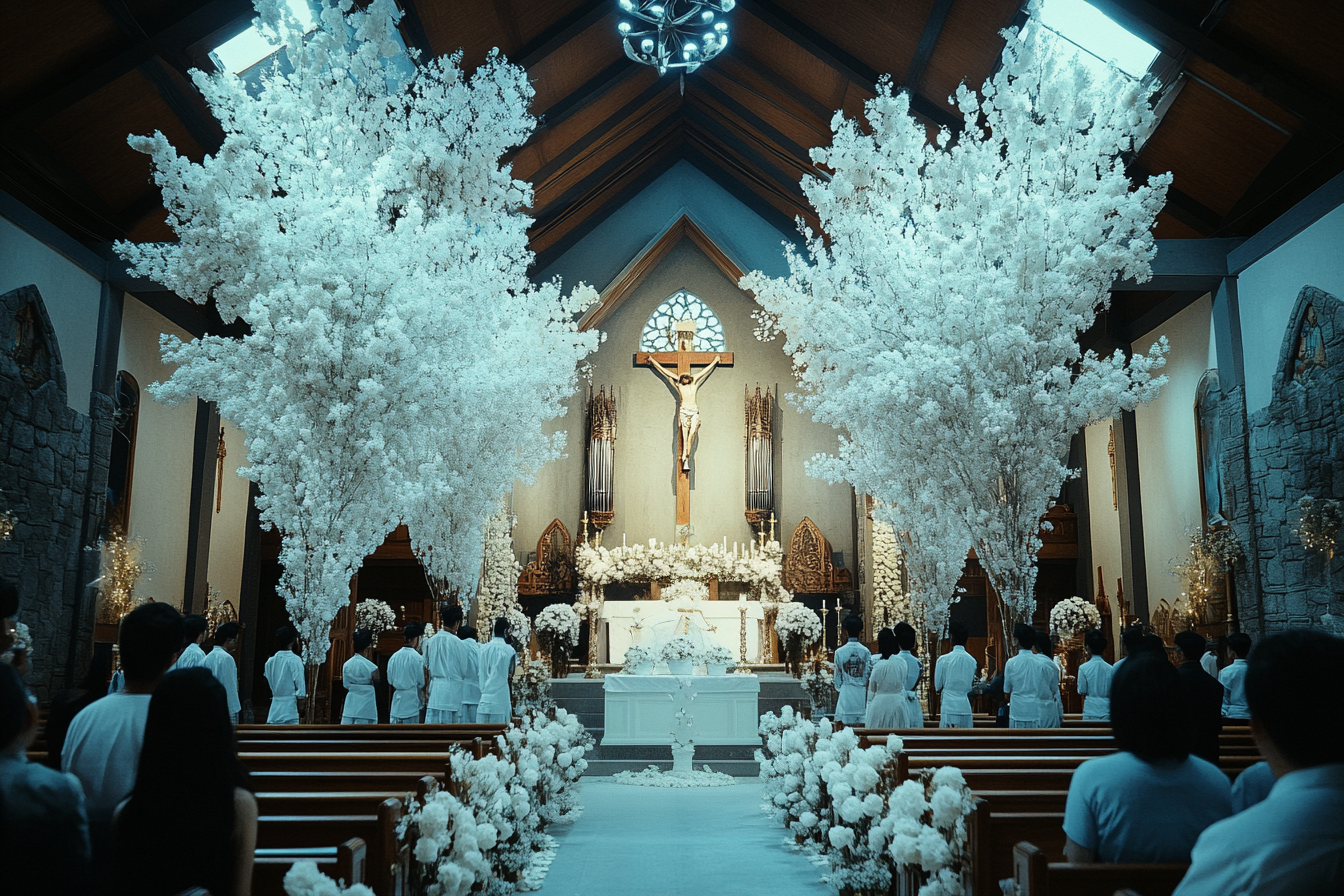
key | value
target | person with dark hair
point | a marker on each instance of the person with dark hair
(445, 654)
(1052, 714)
(1131, 639)
(44, 834)
(886, 685)
(471, 673)
(358, 675)
(194, 630)
(953, 678)
(165, 842)
(1293, 841)
(906, 637)
(1203, 697)
(1233, 679)
(853, 666)
(1094, 679)
(1026, 682)
(1151, 643)
(285, 674)
(222, 665)
(1213, 652)
(102, 747)
(406, 676)
(497, 662)
(1150, 801)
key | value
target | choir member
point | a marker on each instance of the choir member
(1026, 682)
(358, 675)
(886, 685)
(952, 678)
(284, 673)
(1203, 695)
(914, 710)
(220, 662)
(406, 675)
(1233, 679)
(1094, 679)
(470, 670)
(445, 670)
(853, 666)
(1052, 713)
(194, 630)
(497, 662)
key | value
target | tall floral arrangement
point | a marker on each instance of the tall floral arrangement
(890, 602)
(358, 220)
(1072, 616)
(936, 322)
(498, 593)
(799, 628)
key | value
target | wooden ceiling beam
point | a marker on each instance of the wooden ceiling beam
(413, 31)
(622, 117)
(560, 33)
(739, 54)
(820, 129)
(719, 131)
(1309, 159)
(43, 179)
(928, 41)
(591, 91)
(764, 128)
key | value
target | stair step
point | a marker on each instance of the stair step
(606, 767)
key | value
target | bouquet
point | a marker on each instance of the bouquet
(679, 647)
(716, 654)
(685, 591)
(1073, 615)
(636, 655)
(375, 616)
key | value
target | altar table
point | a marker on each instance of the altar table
(639, 709)
(658, 621)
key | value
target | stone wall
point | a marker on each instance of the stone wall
(53, 471)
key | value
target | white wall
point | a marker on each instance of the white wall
(72, 298)
(1169, 449)
(1267, 290)
(228, 530)
(1103, 515)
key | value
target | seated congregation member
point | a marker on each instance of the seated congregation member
(1292, 842)
(1131, 641)
(191, 820)
(1233, 679)
(914, 710)
(1052, 714)
(1203, 695)
(358, 675)
(44, 834)
(497, 662)
(1094, 679)
(1252, 786)
(102, 747)
(886, 685)
(222, 665)
(1150, 801)
(471, 671)
(953, 677)
(406, 676)
(1027, 683)
(284, 673)
(853, 666)
(442, 654)
(194, 629)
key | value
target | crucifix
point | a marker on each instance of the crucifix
(675, 367)
(219, 473)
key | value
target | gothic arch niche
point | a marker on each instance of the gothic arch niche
(1313, 342)
(809, 566)
(659, 334)
(121, 467)
(1209, 438)
(30, 342)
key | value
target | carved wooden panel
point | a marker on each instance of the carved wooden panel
(553, 570)
(1060, 542)
(809, 566)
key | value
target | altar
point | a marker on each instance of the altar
(646, 621)
(639, 709)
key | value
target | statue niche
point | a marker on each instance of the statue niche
(809, 567)
(553, 570)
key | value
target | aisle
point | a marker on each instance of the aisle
(648, 841)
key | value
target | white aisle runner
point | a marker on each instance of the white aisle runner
(651, 841)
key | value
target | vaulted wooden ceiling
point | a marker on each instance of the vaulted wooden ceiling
(1256, 122)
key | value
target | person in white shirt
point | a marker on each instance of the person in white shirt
(1052, 716)
(886, 685)
(358, 675)
(102, 746)
(471, 672)
(1210, 658)
(952, 678)
(1233, 679)
(1094, 679)
(1026, 682)
(497, 662)
(195, 628)
(221, 663)
(853, 666)
(1292, 842)
(284, 673)
(914, 710)
(442, 652)
(406, 676)
(1252, 786)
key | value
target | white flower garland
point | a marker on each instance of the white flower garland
(685, 591)
(1073, 615)
(499, 578)
(890, 602)
(760, 566)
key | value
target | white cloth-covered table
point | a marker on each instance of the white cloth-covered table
(639, 709)
(658, 620)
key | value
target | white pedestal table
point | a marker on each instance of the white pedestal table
(639, 709)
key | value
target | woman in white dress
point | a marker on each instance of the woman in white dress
(358, 674)
(914, 711)
(1052, 714)
(886, 685)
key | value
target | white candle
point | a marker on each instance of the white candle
(741, 598)
(622, 539)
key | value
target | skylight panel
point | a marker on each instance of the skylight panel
(1098, 36)
(242, 51)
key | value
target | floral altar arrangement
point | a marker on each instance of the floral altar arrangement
(1073, 615)
(799, 628)
(715, 655)
(678, 648)
(759, 565)
(558, 631)
(890, 602)
(640, 660)
(685, 591)
(121, 569)
(376, 617)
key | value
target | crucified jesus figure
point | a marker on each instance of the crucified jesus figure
(688, 412)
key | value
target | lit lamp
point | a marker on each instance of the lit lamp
(671, 34)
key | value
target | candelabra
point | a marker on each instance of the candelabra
(674, 33)
(742, 645)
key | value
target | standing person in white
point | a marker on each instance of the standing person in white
(284, 673)
(358, 675)
(1026, 682)
(907, 638)
(222, 665)
(853, 666)
(1210, 658)
(1233, 679)
(1052, 716)
(1094, 679)
(445, 674)
(406, 675)
(886, 685)
(497, 662)
(952, 678)
(471, 672)
(194, 628)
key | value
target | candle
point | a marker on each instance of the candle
(622, 539)
(741, 598)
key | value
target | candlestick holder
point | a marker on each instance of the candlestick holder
(742, 644)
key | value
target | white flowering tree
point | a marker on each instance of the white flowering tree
(357, 219)
(936, 324)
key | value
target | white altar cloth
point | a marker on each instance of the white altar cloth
(639, 709)
(658, 620)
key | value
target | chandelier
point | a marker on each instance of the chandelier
(674, 33)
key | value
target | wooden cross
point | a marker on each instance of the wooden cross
(684, 361)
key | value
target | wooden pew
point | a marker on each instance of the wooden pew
(338, 802)
(388, 862)
(419, 763)
(1035, 874)
(992, 835)
(346, 862)
(360, 780)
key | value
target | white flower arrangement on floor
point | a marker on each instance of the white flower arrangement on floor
(303, 879)
(451, 848)
(679, 647)
(532, 687)
(819, 683)
(558, 741)
(558, 624)
(637, 656)
(760, 566)
(653, 776)
(685, 591)
(1073, 615)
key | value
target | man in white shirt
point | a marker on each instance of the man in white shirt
(853, 665)
(1210, 658)
(358, 675)
(1233, 679)
(102, 746)
(406, 676)
(471, 673)
(1094, 679)
(221, 663)
(1027, 682)
(497, 662)
(192, 655)
(442, 653)
(1292, 842)
(284, 673)
(952, 678)
(1052, 716)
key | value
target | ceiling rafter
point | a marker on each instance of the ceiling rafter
(413, 31)
(591, 91)
(820, 129)
(560, 33)
(928, 41)
(741, 142)
(738, 53)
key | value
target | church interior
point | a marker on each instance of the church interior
(662, 190)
